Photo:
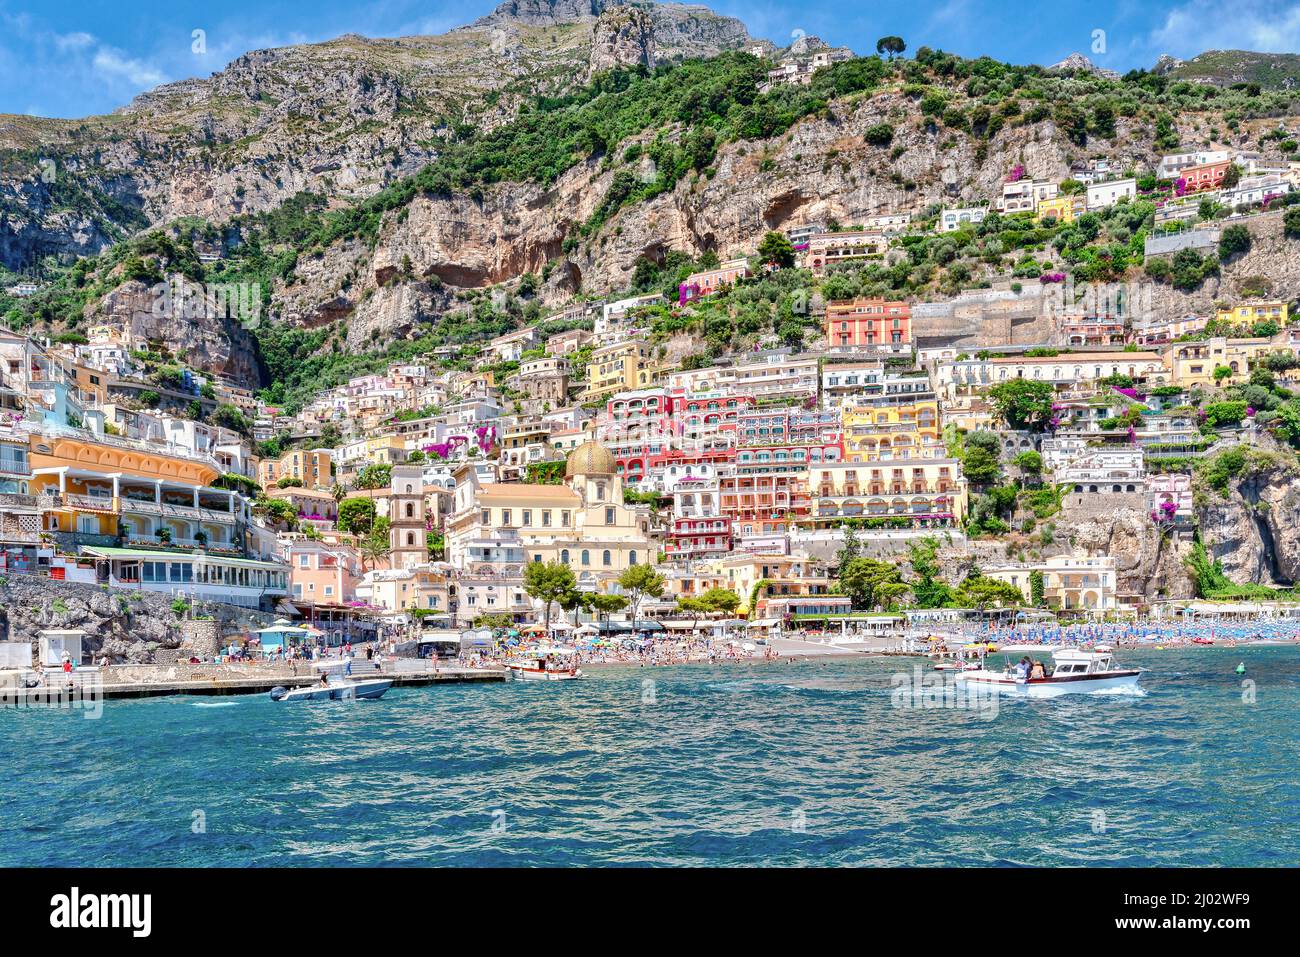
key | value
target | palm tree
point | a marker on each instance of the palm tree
(374, 548)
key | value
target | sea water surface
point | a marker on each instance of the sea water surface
(789, 764)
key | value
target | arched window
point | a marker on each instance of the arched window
(631, 557)
(410, 510)
(607, 559)
(410, 538)
(564, 555)
(586, 557)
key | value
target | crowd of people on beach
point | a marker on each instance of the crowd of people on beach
(1140, 633)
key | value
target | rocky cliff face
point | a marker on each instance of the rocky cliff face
(192, 330)
(129, 626)
(622, 36)
(342, 118)
(1148, 561)
(822, 170)
(1254, 530)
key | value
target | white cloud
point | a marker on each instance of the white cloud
(113, 65)
(73, 41)
(1200, 25)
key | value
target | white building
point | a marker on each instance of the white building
(951, 220)
(1107, 194)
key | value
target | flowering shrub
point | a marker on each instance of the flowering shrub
(1051, 277)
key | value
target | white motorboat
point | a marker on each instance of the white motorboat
(335, 684)
(1075, 671)
(545, 664)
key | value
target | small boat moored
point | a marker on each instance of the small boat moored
(1075, 671)
(553, 663)
(335, 685)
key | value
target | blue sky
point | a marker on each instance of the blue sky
(80, 57)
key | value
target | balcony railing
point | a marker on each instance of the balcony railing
(172, 510)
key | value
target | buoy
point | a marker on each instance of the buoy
(1241, 668)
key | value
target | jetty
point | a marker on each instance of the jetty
(166, 680)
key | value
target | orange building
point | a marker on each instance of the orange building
(868, 322)
(1203, 177)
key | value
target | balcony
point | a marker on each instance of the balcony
(173, 510)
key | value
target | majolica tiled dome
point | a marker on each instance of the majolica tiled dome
(589, 458)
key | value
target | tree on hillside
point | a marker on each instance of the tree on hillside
(1023, 403)
(549, 582)
(890, 46)
(776, 249)
(1232, 241)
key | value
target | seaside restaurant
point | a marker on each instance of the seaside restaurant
(236, 581)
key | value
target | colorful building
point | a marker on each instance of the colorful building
(867, 323)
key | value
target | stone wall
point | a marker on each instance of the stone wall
(129, 625)
(164, 671)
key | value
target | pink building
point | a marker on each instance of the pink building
(710, 281)
(323, 573)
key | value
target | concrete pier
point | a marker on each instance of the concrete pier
(221, 686)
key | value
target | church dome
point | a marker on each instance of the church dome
(589, 458)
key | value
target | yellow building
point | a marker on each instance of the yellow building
(97, 488)
(1193, 363)
(619, 367)
(1063, 209)
(495, 528)
(915, 493)
(310, 466)
(1253, 311)
(894, 431)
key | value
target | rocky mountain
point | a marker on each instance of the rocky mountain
(1224, 68)
(343, 118)
(1077, 61)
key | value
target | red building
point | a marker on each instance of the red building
(1206, 176)
(868, 322)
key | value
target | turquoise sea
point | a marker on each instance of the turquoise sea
(810, 763)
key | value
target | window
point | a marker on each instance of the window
(631, 556)
(586, 557)
(565, 518)
(505, 516)
(564, 556)
(546, 519)
(485, 516)
(609, 516)
(528, 516)
(607, 558)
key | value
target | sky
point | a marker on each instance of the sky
(82, 57)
